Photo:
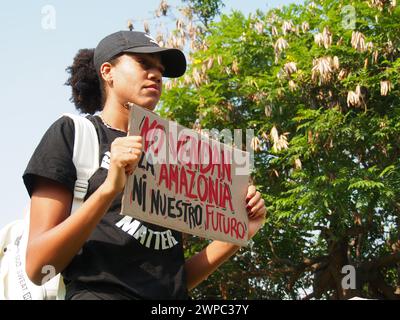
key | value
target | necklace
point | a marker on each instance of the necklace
(108, 126)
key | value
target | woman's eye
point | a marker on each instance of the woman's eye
(144, 64)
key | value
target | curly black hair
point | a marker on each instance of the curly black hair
(88, 93)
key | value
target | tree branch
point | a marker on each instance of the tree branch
(385, 261)
(386, 290)
(309, 296)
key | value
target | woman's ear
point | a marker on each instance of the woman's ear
(106, 74)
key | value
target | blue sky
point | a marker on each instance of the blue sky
(33, 71)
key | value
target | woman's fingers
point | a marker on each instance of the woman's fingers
(129, 158)
(126, 144)
(257, 206)
(130, 148)
(251, 191)
(254, 203)
(125, 156)
(253, 200)
(259, 210)
(128, 140)
(132, 142)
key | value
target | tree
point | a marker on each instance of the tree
(206, 10)
(319, 84)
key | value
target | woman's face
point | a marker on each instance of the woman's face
(137, 78)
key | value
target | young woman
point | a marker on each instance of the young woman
(97, 258)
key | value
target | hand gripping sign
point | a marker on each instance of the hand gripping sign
(186, 181)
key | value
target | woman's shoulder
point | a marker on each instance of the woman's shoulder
(63, 124)
(59, 134)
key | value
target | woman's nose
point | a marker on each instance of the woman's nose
(155, 74)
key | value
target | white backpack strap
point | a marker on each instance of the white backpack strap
(85, 156)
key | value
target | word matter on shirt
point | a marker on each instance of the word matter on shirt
(157, 240)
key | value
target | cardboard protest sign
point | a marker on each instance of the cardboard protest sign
(186, 181)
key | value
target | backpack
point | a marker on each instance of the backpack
(14, 282)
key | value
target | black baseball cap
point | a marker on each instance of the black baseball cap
(173, 60)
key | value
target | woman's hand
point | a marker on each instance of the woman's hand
(125, 155)
(255, 209)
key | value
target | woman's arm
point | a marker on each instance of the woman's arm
(200, 266)
(55, 236)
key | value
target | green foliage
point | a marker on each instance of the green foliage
(332, 194)
(206, 10)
